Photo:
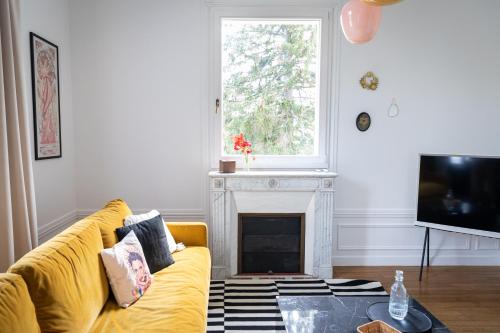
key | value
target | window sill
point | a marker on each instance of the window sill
(277, 162)
(275, 173)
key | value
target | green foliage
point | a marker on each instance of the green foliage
(269, 79)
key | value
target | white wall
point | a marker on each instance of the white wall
(137, 83)
(55, 188)
(441, 61)
(139, 79)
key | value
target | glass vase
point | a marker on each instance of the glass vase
(246, 162)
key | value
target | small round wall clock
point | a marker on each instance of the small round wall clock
(363, 121)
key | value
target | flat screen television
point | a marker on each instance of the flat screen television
(460, 194)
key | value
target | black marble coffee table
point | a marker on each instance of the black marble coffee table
(342, 314)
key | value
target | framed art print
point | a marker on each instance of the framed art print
(46, 106)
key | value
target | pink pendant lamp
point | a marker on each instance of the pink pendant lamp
(360, 21)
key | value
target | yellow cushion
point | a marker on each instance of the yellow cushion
(66, 279)
(176, 301)
(109, 218)
(17, 313)
(189, 233)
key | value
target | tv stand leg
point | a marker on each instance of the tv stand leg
(426, 247)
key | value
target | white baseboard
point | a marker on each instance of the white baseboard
(49, 230)
(168, 214)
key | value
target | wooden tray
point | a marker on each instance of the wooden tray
(377, 326)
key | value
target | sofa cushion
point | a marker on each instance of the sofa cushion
(176, 302)
(133, 219)
(109, 218)
(17, 312)
(151, 235)
(127, 270)
(66, 279)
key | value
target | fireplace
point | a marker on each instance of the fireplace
(271, 243)
(266, 193)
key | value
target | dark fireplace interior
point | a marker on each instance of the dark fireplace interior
(271, 243)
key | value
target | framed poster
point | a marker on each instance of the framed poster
(46, 105)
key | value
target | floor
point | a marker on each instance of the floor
(465, 298)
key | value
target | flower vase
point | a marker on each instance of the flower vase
(246, 162)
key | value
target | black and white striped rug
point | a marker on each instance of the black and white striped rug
(250, 305)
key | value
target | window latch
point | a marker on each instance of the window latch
(217, 106)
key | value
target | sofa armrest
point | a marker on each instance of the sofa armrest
(189, 233)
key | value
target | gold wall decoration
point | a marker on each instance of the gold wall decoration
(369, 81)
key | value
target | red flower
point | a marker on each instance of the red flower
(242, 145)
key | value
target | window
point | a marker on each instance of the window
(272, 84)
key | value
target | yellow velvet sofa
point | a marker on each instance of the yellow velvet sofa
(61, 286)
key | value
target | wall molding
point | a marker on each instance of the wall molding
(357, 243)
(167, 213)
(376, 213)
(466, 246)
(477, 250)
(480, 240)
(441, 260)
(49, 230)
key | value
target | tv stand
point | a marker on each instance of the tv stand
(426, 247)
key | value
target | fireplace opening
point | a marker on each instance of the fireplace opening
(271, 243)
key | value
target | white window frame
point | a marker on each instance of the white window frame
(328, 70)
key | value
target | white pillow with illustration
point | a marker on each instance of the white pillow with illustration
(133, 219)
(127, 270)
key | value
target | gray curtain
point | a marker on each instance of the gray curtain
(18, 232)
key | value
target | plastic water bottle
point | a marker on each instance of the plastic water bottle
(398, 304)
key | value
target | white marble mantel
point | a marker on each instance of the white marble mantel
(309, 192)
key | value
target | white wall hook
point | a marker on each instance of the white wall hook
(393, 110)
